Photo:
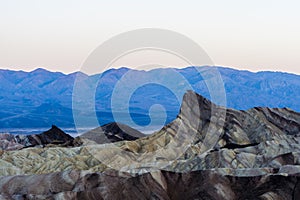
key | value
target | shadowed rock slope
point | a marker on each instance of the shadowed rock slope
(207, 152)
(53, 136)
(112, 132)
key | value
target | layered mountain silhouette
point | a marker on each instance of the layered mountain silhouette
(41, 98)
(207, 152)
(53, 136)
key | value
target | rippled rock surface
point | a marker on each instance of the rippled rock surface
(204, 184)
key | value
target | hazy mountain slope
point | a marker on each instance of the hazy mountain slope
(21, 93)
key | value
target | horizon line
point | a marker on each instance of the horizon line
(146, 70)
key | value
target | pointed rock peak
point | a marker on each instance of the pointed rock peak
(112, 132)
(116, 128)
(55, 127)
(55, 133)
(190, 95)
(193, 102)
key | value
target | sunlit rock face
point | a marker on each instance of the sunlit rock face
(207, 152)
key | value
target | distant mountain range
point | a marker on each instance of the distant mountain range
(41, 98)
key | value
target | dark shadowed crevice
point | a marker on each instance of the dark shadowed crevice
(238, 146)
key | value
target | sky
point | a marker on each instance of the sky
(58, 35)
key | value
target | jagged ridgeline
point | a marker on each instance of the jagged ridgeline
(207, 152)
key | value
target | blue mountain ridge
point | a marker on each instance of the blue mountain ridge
(41, 98)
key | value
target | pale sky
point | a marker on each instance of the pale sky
(60, 34)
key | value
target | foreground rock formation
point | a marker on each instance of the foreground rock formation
(207, 152)
(206, 184)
